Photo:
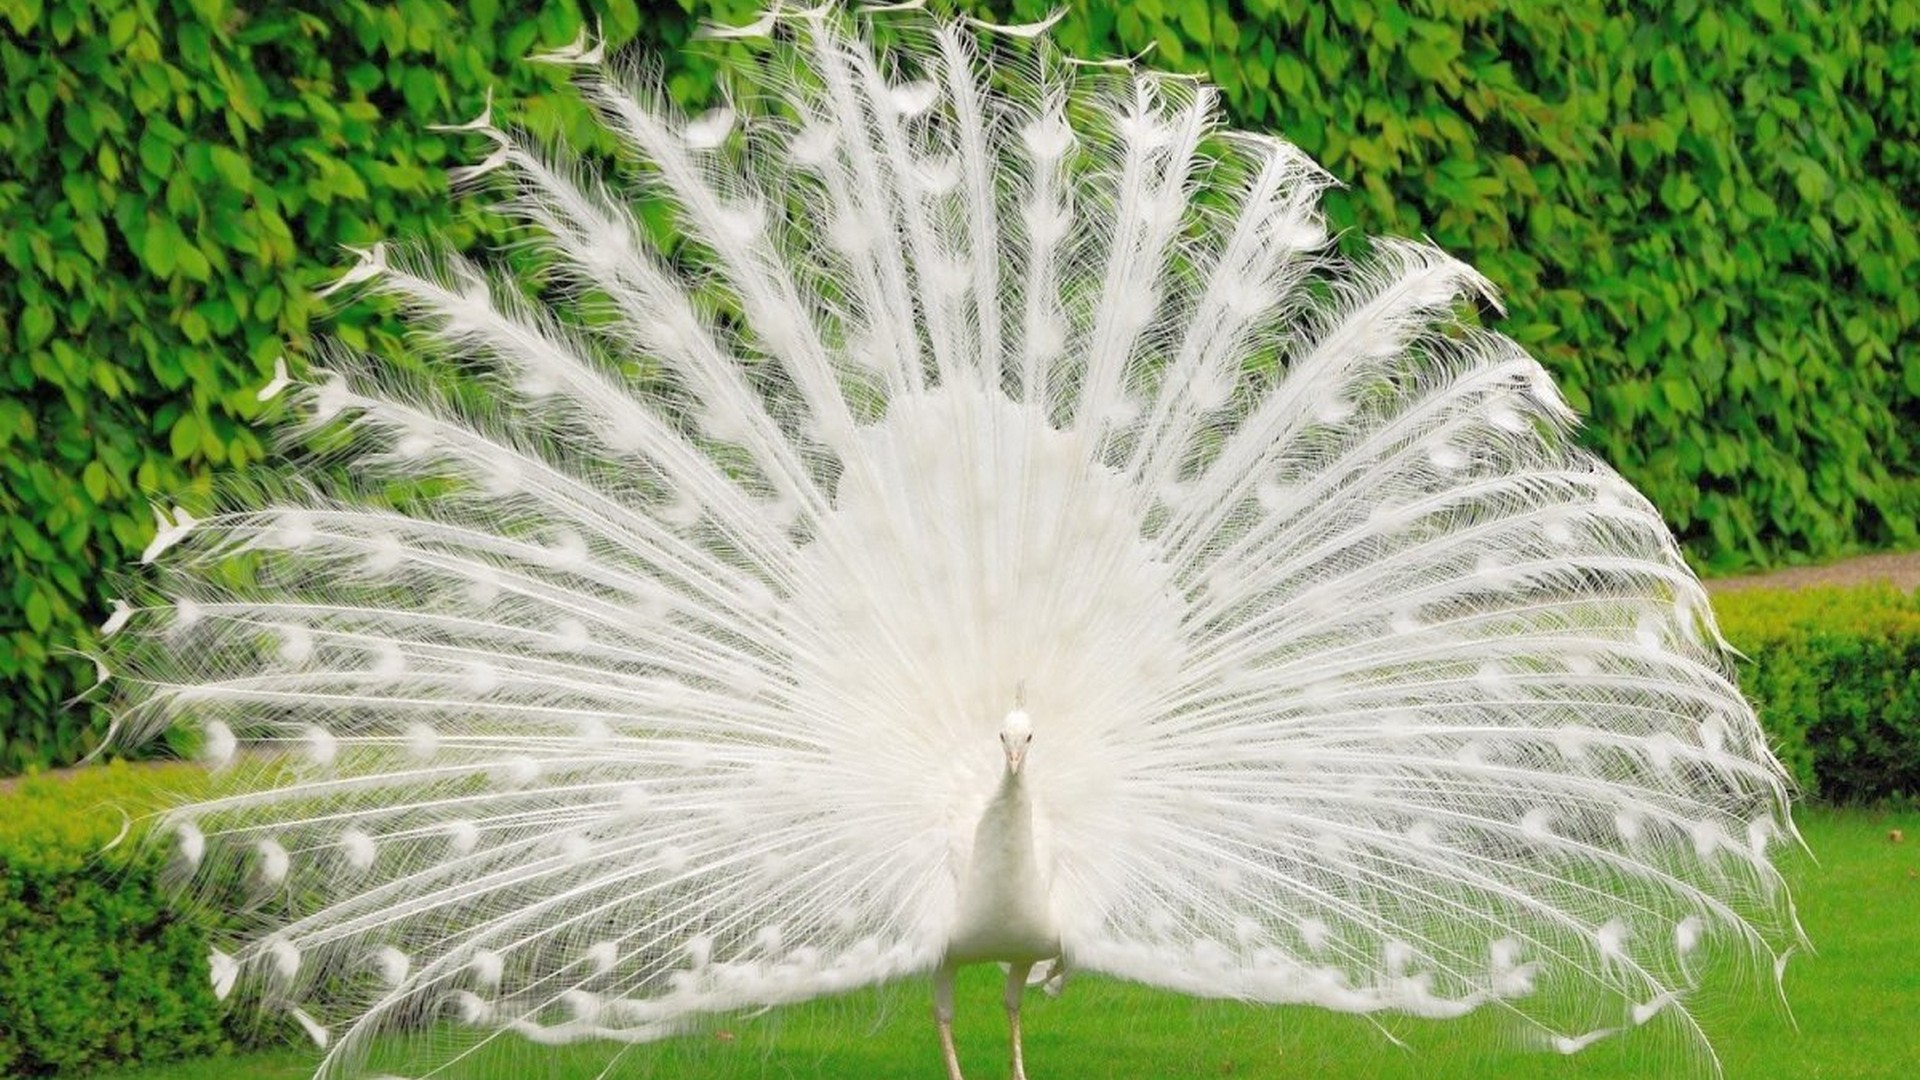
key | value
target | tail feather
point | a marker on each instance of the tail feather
(639, 660)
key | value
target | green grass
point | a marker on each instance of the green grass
(1857, 1002)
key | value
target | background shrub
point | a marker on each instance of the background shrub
(1835, 674)
(1695, 212)
(95, 968)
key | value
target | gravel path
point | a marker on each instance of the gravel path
(1901, 569)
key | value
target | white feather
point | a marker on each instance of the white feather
(285, 957)
(320, 746)
(223, 970)
(393, 965)
(274, 861)
(218, 744)
(488, 967)
(966, 389)
(358, 849)
(192, 842)
(312, 1027)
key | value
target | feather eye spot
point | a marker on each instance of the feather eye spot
(463, 836)
(329, 399)
(1630, 825)
(1687, 934)
(218, 744)
(602, 956)
(913, 99)
(674, 859)
(296, 645)
(1573, 1044)
(223, 971)
(709, 130)
(740, 224)
(358, 849)
(570, 633)
(389, 662)
(575, 849)
(191, 843)
(1315, 934)
(770, 939)
(319, 746)
(392, 966)
(292, 530)
(1537, 824)
(422, 741)
(385, 553)
(813, 146)
(1447, 458)
(1335, 411)
(1047, 139)
(481, 588)
(514, 773)
(634, 802)
(470, 1008)
(1708, 837)
(488, 968)
(1610, 939)
(284, 957)
(187, 614)
(273, 862)
(584, 1005)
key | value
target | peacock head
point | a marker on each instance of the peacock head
(1016, 735)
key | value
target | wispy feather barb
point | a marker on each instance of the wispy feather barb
(668, 687)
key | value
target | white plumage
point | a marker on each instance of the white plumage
(643, 658)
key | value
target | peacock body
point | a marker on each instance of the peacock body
(642, 659)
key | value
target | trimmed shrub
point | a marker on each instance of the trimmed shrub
(1696, 214)
(96, 968)
(1835, 674)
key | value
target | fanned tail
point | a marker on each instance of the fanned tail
(641, 660)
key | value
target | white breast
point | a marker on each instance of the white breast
(1006, 910)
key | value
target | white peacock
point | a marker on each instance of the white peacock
(981, 396)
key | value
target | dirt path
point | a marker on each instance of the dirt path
(1901, 569)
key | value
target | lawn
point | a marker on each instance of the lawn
(1857, 1003)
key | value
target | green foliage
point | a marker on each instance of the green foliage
(95, 969)
(180, 175)
(1698, 215)
(1694, 212)
(1835, 674)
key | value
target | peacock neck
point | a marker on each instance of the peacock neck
(1006, 825)
(1013, 787)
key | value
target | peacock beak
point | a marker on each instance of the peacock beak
(1016, 755)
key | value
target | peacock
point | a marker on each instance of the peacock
(952, 503)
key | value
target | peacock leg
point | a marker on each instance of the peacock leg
(1016, 986)
(943, 1019)
(1056, 979)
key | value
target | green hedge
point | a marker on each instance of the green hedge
(95, 968)
(1835, 674)
(187, 172)
(1694, 210)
